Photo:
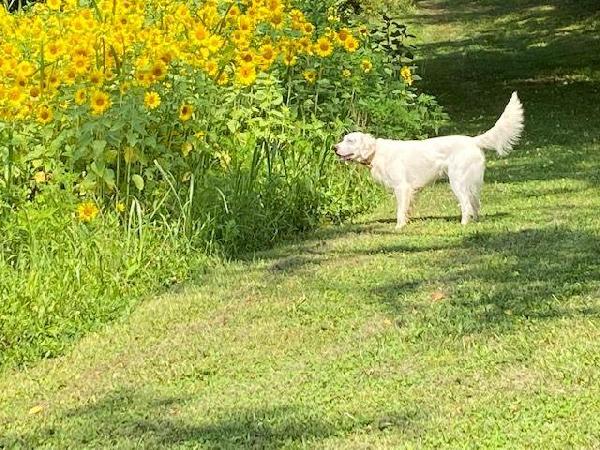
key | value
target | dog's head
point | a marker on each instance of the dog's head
(359, 147)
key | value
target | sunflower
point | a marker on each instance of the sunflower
(15, 96)
(310, 76)
(183, 12)
(109, 75)
(143, 78)
(276, 19)
(87, 211)
(100, 102)
(343, 34)
(80, 96)
(200, 33)
(268, 55)
(346, 73)
(44, 115)
(223, 79)
(35, 92)
(246, 74)
(168, 53)
(78, 24)
(274, 4)
(24, 112)
(9, 49)
(246, 57)
(54, 81)
(214, 44)
(54, 50)
(209, 13)
(81, 50)
(245, 23)
(211, 67)
(158, 70)
(185, 112)
(96, 77)
(40, 177)
(233, 12)
(366, 65)
(241, 39)
(406, 75)
(351, 44)
(308, 28)
(21, 81)
(152, 100)
(305, 45)
(296, 16)
(289, 58)
(70, 76)
(323, 47)
(80, 63)
(25, 69)
(122, 21)
(53, 4)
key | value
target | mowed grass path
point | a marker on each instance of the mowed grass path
(361, 337)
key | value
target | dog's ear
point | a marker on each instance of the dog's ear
(367, 147)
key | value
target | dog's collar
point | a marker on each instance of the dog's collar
(368, 162)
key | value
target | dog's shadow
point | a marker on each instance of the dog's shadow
(447, 218)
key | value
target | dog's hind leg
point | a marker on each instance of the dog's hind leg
(403, 194)
(464, 199)
(466, 179)
(475, 181)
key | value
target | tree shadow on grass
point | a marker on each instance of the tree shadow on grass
(491, 281)
(532, 40)
(549, 52)
(570, 12)
(310, 249)
(130, 418)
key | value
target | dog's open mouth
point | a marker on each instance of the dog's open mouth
(345, 157)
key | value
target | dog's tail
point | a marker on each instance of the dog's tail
(507, 130)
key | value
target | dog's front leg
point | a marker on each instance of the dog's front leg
(403, 196)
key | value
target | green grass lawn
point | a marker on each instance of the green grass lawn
(361, 337)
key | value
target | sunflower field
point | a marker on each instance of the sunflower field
(139, 137)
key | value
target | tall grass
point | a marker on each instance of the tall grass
(60, 278)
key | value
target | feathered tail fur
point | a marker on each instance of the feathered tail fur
(507, 131)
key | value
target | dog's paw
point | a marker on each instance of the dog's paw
(400, 226)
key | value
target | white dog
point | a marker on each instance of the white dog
(407, 166)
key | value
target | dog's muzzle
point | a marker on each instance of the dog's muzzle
(336, 149)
